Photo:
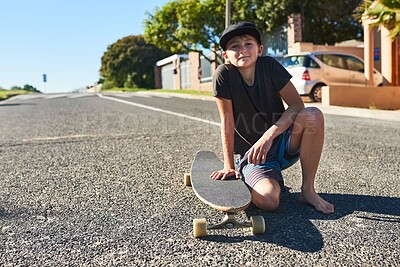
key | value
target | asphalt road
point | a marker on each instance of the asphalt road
(90, 181)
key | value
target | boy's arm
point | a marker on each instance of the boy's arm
(258, 152)
(227, 135)
(292, 98)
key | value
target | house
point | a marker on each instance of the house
(190, 71)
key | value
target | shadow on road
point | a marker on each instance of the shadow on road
(291, 225)
(16, 104)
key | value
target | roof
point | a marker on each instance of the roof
(170, 59)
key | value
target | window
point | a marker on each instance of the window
(206, 70)
(207, 67)
(354, 64)
(293, 61)
(313, 64)
(336, 61)
(299, 61)
(185, 74)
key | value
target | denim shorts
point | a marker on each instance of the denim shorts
(278, 159)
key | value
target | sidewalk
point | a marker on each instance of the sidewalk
(388, 115)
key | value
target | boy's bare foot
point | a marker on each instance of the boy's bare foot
(317, 202)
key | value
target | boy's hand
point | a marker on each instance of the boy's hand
(258, 152)
(224, 174)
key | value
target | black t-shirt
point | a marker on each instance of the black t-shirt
(256, 108)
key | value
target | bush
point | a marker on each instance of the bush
(107, 85)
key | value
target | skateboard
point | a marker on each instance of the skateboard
(229, 196)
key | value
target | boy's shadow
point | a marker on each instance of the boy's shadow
(290, 225)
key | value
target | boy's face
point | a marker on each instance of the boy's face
(242, 51)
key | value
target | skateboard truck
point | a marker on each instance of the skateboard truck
(229, 222)
(256, 224)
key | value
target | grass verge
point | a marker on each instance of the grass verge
(4, 94)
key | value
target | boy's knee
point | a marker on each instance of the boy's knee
(267, 203)
(311, 113)
(310, 118)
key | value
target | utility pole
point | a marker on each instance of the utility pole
(227, 13)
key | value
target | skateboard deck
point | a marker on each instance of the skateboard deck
(230, 195)
(226, 195)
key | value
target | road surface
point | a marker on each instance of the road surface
(98, 181)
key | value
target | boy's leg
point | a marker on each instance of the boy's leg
(265, 194)
(308, 135)
(266, 184)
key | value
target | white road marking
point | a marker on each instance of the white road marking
(55, 138)
(160, 110)
(66, 137)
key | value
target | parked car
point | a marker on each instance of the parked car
(312, 70)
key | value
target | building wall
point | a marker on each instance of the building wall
(157, 77)
(396, 62)
(197, 81)
(386, 97)
(194, 66)
(294, 31)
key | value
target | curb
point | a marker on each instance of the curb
(388, 115)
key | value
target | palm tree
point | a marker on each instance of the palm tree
(382, 13)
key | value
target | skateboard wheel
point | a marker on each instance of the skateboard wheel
(199, 227)
(257, 225)
(186, 179)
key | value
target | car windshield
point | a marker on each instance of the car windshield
(299, 61)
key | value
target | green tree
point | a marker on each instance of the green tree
(383, 13)
(130, 62)
(267, 15)
(182, 26)
(328, 21)
(28, 87)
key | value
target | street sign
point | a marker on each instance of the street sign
(377, 54)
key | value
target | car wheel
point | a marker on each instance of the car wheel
(316, 93)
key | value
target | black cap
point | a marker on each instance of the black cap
(239, 28)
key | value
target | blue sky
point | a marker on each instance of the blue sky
(64, 39)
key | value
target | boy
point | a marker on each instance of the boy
(254, 123)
